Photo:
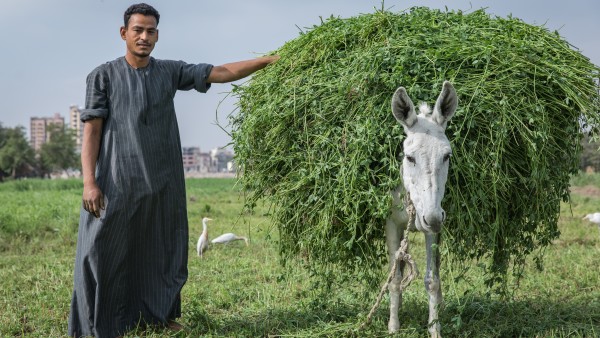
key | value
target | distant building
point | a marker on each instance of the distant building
(205, 166)
(76, 125)
(39, 129)
(216, 161)
(220, 159)
(191, 159)
(231, 167)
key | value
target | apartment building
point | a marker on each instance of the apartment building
(215, 161)
(76, 125)
(221, 160)
(38, 129)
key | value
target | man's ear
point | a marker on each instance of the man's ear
(122, 31)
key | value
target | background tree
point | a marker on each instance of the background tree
(58, 154)
(590, 156)
(16, 155)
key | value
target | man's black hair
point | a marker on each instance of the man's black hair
(141, 8)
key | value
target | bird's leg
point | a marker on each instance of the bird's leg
(432, 283)
(393, 237)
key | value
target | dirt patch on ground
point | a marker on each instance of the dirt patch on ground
(588, 190)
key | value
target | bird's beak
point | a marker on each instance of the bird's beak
(209, 219)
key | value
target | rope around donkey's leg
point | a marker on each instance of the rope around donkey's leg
(400, 255)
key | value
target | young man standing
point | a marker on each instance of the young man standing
(132, 246)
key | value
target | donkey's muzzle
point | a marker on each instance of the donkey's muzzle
(433, 220)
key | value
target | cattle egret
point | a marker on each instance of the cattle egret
(228, 237)
(203, 240)
(594, 218)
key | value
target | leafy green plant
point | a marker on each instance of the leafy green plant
(315, 137)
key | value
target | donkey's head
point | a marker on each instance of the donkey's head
(426, 154)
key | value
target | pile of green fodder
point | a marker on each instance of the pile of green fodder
(314, 135)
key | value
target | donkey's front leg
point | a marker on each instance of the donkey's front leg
(393, 237)
(432, 283)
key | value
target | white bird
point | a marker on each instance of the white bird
(594, 218)
(228, 237)
(203, 240)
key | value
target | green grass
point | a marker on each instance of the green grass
(583, 180)
(239, 291)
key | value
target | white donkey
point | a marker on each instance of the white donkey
(424, 174)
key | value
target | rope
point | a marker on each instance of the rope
(400, 255)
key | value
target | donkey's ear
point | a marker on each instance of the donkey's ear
(403, 108)
(446, 104)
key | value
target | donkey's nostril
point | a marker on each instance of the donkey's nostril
(443, 216)
(425, 221)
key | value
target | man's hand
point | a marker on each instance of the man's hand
(93, 199)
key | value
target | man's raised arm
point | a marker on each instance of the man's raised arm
(238, 70)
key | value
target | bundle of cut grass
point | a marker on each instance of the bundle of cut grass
(315, 136)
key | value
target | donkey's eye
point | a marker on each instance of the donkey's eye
(447, 157)
(410, 159)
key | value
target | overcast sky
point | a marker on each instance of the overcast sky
(49, 46)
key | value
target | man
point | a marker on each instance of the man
(132, 247)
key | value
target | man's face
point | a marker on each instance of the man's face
(140, 35)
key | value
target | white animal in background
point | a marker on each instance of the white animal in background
(594, 218)
(424, 173)
(227, 238)
(203, 240)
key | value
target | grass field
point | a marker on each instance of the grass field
(239, 291)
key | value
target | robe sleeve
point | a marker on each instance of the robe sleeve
(96, 97)
(193, 76)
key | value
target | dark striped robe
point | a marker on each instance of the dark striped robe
(131, 263)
